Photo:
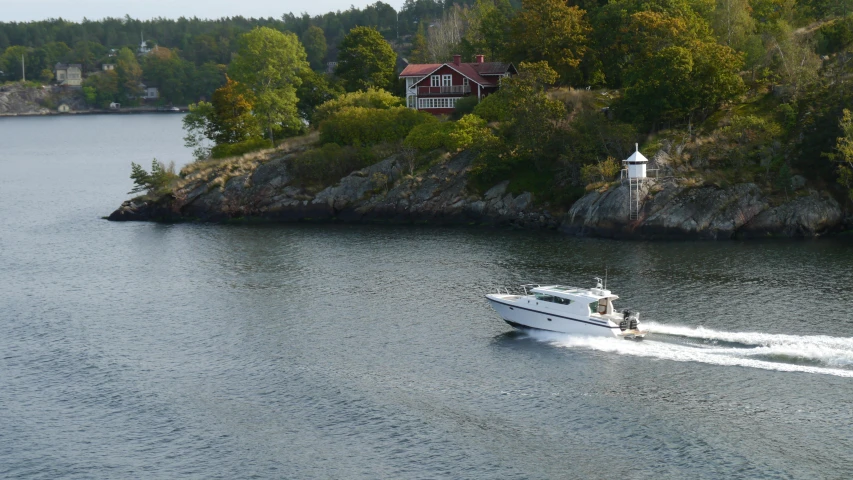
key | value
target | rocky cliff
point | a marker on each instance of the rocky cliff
(379, 193)
(263, 190)
(671, 209)
(18, 99)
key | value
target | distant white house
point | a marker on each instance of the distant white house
(149, 93)
(106, 67)
(68, 74)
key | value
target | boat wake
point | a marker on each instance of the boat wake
(789, 353)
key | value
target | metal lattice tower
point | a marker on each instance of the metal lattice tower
(634, 194)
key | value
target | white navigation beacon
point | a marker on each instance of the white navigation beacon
(637, 164)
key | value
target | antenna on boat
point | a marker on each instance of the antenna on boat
(605, 277)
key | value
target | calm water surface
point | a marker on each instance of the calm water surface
(325, 351)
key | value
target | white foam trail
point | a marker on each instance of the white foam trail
(682, 353)
(832, 351)
(751, 338)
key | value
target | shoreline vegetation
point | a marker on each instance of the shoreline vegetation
(742, 107)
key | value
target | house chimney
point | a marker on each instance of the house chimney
(480, 58)
(457, 59)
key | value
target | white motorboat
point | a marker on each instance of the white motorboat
(559, 308)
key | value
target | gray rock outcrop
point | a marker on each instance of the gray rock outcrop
(673, 210)
(383, 192)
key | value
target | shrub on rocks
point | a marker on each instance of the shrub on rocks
(361, 127)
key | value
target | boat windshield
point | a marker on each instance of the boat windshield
(552, 299)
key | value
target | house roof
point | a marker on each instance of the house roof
(63, 66)
(465, 69)
(474, 71)
(419, 69)
(491, 68)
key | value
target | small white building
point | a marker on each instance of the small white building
(106, 67)
(149, 93)
(64, 108)
(636, 164)
(115, 106)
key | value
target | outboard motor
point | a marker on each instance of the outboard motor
(626, 315)
(630, 320)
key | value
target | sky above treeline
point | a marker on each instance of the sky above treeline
(76, 10)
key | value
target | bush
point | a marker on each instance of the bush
(748, 129)
(328, 164)
(429, 136)
(464, 106)
(494, 108)
(602, 171)
(468, 130)
(158, 182)
(372, 98)
(235, 149)
(360, 126)
(448, 135)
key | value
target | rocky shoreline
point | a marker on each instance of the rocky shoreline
(263, 191)
(24, 101)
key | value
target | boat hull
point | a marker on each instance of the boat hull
(525, 318)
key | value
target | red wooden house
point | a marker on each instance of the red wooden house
(435, 87)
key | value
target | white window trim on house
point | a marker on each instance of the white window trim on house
(465, 81)
(432, 102)
(435, 81)
(446, 80)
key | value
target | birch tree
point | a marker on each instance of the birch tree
(268, 64)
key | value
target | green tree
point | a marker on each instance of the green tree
(620, 36)
(315, 90)
(677, 69)
(365, 60)
(534, 116)
(158, 182)
(205, 79)
(490, 31)
(129, 76)
(419, 52)
(233, 121)
(101, 89)
(87, 53)
(314, 41)
(165, 69)
(732, 23)
(46, 56)
(10, 61)
(552, 31)
(199, 127)
(268, 64)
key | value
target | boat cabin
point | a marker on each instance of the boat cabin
(586, 301)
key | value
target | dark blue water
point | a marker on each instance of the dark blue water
(131, 350)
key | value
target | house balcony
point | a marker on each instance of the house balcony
(444, 90)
